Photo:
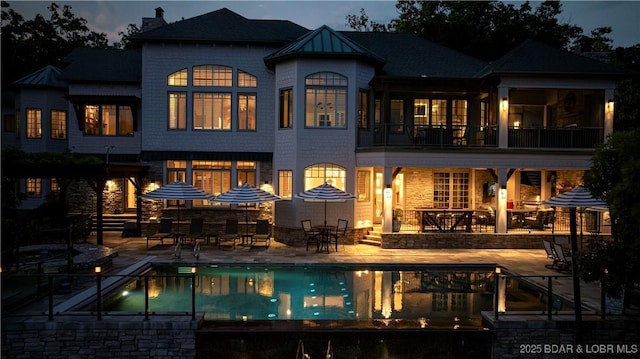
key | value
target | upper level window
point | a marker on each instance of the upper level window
(212, 75)
(34, 187)
(246, 112)
(286, 108)
(177, 110)
(108, 120)
(178, 78)
(211, 111)
(245, 79)
(34, 123)
(326, 100)
(363, 109)
(319, 173)
(58, 124)
(430, 112)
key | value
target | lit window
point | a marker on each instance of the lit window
(246, 172)
(58, 124)
(34, 187)
(246, 112)
(212, 75)
(285, 184)
(177, 110)
(326, 100)
(211, 111)
(108, 120)
(54, 186)
(211, 176)
(286, 108)
(246, 80)
(363, 109)
(34, 123)
(364, 185)
(176, 171)
(178, 78)
(317, 174)
(451, 190)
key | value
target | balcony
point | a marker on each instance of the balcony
(556, 137)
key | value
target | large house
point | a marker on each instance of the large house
(400, 122)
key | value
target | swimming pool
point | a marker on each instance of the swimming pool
(433, 296)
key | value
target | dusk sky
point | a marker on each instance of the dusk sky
(112, 17)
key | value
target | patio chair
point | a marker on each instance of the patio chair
(196, 230)
(551, 254)
(564, 258)
(263, 232)
(230, 235)
(310, 234)
(164, 231)
(341, 231)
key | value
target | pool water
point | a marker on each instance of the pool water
(431, 296)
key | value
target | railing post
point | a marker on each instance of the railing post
(146, 297)
(98, 271)
(549, 299)
(50, 281)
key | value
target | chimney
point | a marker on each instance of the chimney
(150, 23)
(159, 12)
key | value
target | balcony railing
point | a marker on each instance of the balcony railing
(556, 137)
(480, 136)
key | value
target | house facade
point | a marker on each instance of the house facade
(404, 124)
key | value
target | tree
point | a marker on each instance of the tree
(28, 45)
(614, 176)
(125, 42)
(362, 23)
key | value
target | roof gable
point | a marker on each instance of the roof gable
(224, 26)
(536, 58)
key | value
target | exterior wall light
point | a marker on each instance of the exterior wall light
(609, 106)
(504, 104)
(388, 193)
(503, 193)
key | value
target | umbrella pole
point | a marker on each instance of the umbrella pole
(325, 213)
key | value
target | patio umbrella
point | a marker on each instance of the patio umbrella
(178, 191)
(578, 197)
(325, 193)
(247, 194)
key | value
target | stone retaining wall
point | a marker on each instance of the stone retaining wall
(86, 337)
(459, 240)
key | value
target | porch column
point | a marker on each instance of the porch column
(503, 117)
(387, 200)
(501, 211)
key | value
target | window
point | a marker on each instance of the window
(245, 79)
(364, 185)
(433, 112)
(211, 176)
(34, 187)
(176, 171)
(320, 173)
(58, 124)
(326, 100)
(526, 116)
(363, 110)
(397, 115)
(177, 110)
(439, 113)
(451, 190)
(178, 78)
(285, 184)
(212, 75)
(34, 123)
(286, 108)
(54, 187)
(246, 112)
(246, 172)
(211, 111)
(9, 123)
(108, 120)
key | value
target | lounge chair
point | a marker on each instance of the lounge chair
(196, 230)
(164, 231)
(230, 235)
(551, 254)
(564, 258)
(310, 234)
(341, 231)
(263, 232)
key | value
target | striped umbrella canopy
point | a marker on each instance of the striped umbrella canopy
(325, 193)
(179, 191)
(246, 193)
(578, 197)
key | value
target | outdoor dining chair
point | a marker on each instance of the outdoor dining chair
(263, 232)
(310, 234)
(340, 232)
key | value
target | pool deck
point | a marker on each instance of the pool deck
(132, 250)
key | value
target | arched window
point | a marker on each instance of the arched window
(178, 78)
(319, 173)
(212, 75)
(326, 100)
(246, 79)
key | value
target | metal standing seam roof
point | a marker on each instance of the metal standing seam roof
(48, 76)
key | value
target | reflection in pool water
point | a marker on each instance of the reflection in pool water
(430, 296)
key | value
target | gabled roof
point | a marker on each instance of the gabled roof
(324, 42)
(48, 76)
(224, 26)
(103, 65)
(407, 55)
(536, 58)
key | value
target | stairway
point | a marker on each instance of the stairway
(372, 238)
(113, 222)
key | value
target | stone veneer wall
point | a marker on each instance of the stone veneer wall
(438, 240)
(86, 337)
(536, 338)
